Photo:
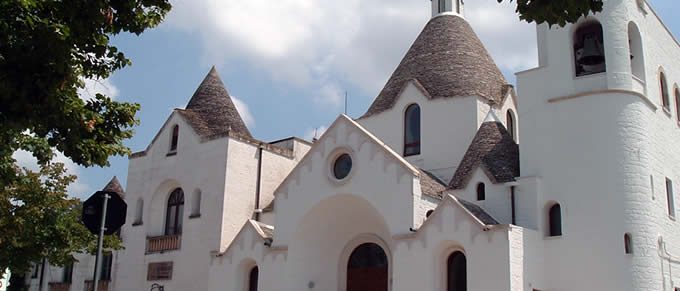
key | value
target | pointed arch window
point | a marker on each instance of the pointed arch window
(665, 100)
(589, 56)
(175, 139)
(412, 130)
(555, 220)
(456, 272)
(510, 124)
(174, 213)
(253, 278)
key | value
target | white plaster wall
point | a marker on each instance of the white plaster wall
(420, 261)
(497, 202)
(376, 175)
(83, 270)
(239, 202)
(455, 120)
(197, 165)
(594, 155)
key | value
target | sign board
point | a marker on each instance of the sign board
(115, 212)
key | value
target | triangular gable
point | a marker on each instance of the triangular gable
(264, 232)
(372, 138)
(158, 133)
(474, 212)
(494, 150)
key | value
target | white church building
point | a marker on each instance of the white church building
(452, 180)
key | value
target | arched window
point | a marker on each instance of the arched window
(428, 213)
(174, 213)
(637, 65)
(555, 220)
(253, 278)
(481, 191)
(139, 211)
(174, 139)
(456, 272)
(196, 204)
(589, 49)
(677, 104)
(627, 243)
(510, 124)
(367, 268)
(665, 100)
(412, 130)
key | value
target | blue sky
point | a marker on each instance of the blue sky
(289, 62)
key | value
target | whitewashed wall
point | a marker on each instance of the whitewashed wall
(594, 152)
(448, 126)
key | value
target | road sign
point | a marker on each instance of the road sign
(93, 208)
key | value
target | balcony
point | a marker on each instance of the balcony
(59, 286)
(164, 243)
(89, 285)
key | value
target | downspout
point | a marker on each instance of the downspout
(512, 204)
(257, 185)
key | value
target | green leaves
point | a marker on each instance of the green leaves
(39, 220)
(47, 49)
(559, 12)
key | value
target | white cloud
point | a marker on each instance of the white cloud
(311, 133)
(326, 45)
(244, 111)
(93, 87)
(76, 189)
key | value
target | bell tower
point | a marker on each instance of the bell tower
(447, 6)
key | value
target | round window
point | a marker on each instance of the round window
(342, 166)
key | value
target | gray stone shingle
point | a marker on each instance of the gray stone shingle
(447, 60)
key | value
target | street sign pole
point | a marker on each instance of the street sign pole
(100, 243)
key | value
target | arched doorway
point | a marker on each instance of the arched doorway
(367, 269)
(456, 272)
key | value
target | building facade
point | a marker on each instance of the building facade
(452, 179)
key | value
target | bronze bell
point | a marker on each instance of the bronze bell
(593, 52)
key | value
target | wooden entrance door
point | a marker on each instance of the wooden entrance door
(367, 269)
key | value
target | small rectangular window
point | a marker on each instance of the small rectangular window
(442, 6)
(34, 273)
(159, 271)
(107, 262)
(669, 197)
(67, 275)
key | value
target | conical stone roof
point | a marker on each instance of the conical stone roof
(211, 112)
(114, 186)
(493, 149)
(447, 60)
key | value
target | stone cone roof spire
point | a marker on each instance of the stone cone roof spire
(211, 112)
(494, 150)
(114, 186)
(446, 60)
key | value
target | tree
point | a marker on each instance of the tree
(553, 12)
(47, 49)
(38, 221)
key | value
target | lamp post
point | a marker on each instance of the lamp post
(157, 287)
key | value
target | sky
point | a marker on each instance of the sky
(288, 63)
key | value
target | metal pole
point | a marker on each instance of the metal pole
(42, 275)
(100, 243)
